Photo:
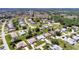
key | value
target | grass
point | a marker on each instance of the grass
(39, 43)
(8, 39)
(78, 31)
(46, 47)
(57, 26)
(77, 46)
(69, 47)
(1, 42)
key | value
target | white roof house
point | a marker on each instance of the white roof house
(52, 32)
(76, 38)
(14, 34)
(69, 40)
(78, 35)
(75, 28)
(63, 29)
(64, 37)
(45, 26)
(72, 41)
(31, 21)
(31, 40)
(21, 22)
(21, 32)
(56, 47)
(47, 34)
(40, 37)
(10, 25)
(21, 44)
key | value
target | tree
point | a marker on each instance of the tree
(46, 47)
(54, 41)
(37, 29)
(15, 23)
(24, 27)
(58, 33)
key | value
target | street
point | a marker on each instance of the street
(3, 37)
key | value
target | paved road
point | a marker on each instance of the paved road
(3, 37)
(28, 23)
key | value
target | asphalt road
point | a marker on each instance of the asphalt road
(3, 37)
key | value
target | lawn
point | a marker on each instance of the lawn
(76, 46)
(39, 43)
(1, 42)
(46, 47)
(8, 39)
(57, 26)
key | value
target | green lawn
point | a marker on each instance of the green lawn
(8, 39)
(77, 46)
(46, 46)
(1, 42)
(39, 43)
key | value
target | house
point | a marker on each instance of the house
(40, 37)
(30, 20)
(10, 26)
(71, 41)
(33, 22)
(21, 22)
(44, 20)
(21, 32)
(52, 32)
(21, 44)
(32, 40)
(52, 21)
(64, 37)
(26, 48)
(56, 47)
(75, 28)
(63, 29)
(45, 26)
(14, 36)
(47, 34)
(76, 38)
